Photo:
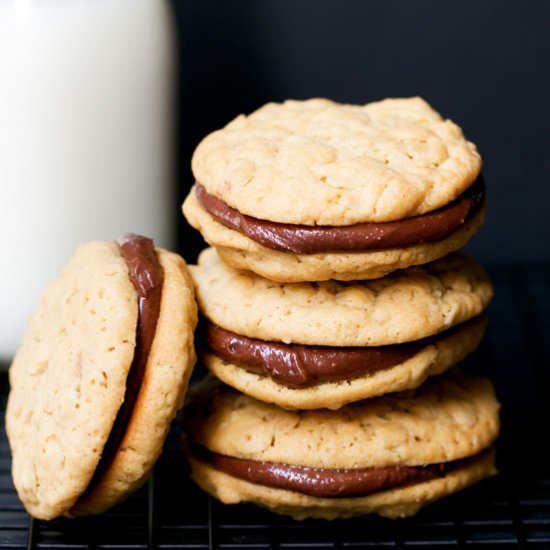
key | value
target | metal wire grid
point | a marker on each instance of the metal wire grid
(512, 510)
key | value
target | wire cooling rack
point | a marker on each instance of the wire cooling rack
(508, 511)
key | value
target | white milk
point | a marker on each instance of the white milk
(86, 137)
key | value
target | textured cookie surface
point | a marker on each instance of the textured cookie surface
(433, 359)
(393, 503)
(319, 162)
(447, 418)
(68, 378)
(404, 306)
(244, 253)
(161, 394)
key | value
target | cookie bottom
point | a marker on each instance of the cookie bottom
(161, 394)
(394, 503)
(431, 360)
(244, 253)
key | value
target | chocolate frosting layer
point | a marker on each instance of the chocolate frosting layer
(305, 239)
(147, 276)
(297, 365)
(321, 482)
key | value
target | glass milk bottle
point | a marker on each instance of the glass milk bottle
(86, 137)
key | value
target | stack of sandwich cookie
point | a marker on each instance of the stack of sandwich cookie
(100, 374)
(390, 455)
(334, 280)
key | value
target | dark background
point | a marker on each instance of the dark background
(482, 63)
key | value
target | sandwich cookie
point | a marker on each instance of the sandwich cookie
(322, 345)
(100, 373)
(390, 456)
(315, 190)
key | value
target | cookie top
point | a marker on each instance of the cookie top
(317, 162)
(69, 378)
(403, 306)
(447, 418)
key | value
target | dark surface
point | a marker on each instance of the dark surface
(483, 64)
(511, 510)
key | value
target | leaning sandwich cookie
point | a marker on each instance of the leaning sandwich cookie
(100, 373)
(315, 190)
(390, 456)
(322, 345)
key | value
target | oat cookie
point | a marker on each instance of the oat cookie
(405, 306)
(70, 379)
(448, 423)
(322, 345)
(434, 357)
(317, 162)
(315, 190)
(243, 253)
(392, 503)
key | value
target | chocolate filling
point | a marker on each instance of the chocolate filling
(305, 239)
(320, 482)
(296, 365)
(147, 276)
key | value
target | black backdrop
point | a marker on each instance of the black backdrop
(483, 63)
